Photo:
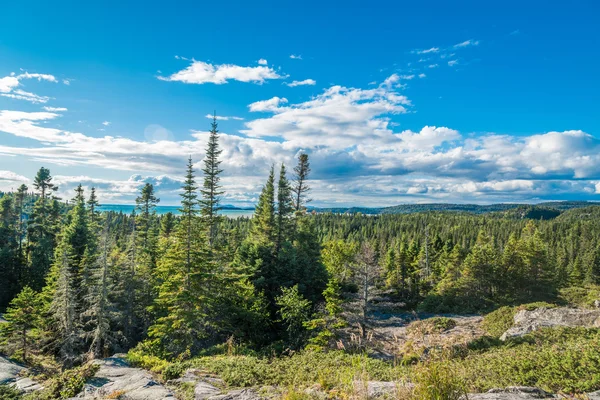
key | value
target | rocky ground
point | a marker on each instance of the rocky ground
(116, 379)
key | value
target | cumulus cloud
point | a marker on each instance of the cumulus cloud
(199, 72)
(310, 82)
(13, 177)
(9, 87)
(262, 61)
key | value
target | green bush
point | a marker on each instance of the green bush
(65, 385)
(8, 393)
(499, 321)
(581, 296)
(557, 360)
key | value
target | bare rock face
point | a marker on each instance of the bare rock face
(529, 321)
(9, 371)
(512, 393)
(116, 378)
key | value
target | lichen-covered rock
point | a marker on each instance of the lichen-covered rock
(205, 390)
(529, 321)
(242, 394)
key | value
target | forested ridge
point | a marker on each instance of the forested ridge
(77, 284)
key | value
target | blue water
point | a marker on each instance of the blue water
(128, 209)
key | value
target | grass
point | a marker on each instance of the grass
(431, 325)
(556, 360)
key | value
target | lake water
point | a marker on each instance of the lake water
(127, 209)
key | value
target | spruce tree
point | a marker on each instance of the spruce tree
(263, 222)
(211, 189)
(41, 229)
(284, 209)
(23, 316)
(183, 293)
(301, 188)
(19, 210)
(93, 205)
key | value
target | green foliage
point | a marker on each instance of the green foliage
(66, 384)
(9, 393)
(23, 315)
(437, 381)
(581, 296)
(294, 310)
(499, 321)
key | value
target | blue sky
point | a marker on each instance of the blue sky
(395, 102)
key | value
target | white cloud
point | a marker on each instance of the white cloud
(452, 63)
(466, 43)
(106, 123)
(267, 105)
(262, 61)
(200, 72)
(223, 118)
(67, 81)
(427, 51)
(422, 75)
(305, 82)
(9, 87)
(54, 109)
(12, 177)
(295, 57)
(432, 66)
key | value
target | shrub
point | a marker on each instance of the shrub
(67, 384)
(437, 381)
(581, 296)
(499, 321)
(8, 393)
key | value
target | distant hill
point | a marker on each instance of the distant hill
(546, 210)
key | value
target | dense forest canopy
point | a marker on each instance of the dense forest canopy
(78, 284)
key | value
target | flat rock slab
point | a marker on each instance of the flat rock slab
(115, 377)
(9, 371)
(529, 321)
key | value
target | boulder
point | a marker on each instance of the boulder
(529, 321)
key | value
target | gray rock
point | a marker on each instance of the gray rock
(9, 371)
(204, 390)
(26, 385)
(512, 393)
(116, 376)
(529, 321)
(243, 394)
(377, 389)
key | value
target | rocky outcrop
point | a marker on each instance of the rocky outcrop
(9, 371)
(117, 378)
(529, 321)
(13, 374)
(522, 393)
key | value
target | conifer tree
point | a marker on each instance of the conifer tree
(263, 223)
(211, 189)
(41, 229)
(10, 258)
(23, 315)
(93, 205)
(19, 210)
(284, 209)
(183, 293)
(102, 314)
(301, 187)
